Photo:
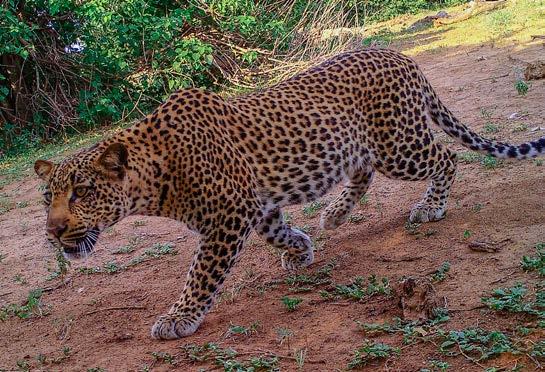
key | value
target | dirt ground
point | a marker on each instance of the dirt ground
(505, 204)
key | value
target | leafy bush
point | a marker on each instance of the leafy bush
(67, 66)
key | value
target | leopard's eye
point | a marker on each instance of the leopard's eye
(80, 191)
(47, 197)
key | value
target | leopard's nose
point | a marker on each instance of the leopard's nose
(56, 229)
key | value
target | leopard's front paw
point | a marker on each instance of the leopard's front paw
(422, 212)
(173, 326)
(301, 253)
(292, 261)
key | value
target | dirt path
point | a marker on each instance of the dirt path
(502, 202)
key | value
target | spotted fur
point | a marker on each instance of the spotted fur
(227, 167)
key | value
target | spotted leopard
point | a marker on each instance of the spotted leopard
(226, 167)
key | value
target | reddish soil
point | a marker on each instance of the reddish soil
(506, 202)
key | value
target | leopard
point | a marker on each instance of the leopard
(225, 167)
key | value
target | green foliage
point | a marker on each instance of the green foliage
(306, 282)
(522, 87)
(412, 331)
(31, 308)
(436, 365)
(441, 273)
(535, 263)
(158, 250)
(513, 300)
(163, 357)
(491, 128)
(359, 289)
(371, 351)
(239, 330)
(227, 358)
(310, 210)
(487, 161)
(291, 303)
(477, 343)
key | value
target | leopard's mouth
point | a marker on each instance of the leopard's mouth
(82, 246)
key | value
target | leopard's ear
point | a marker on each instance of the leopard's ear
(43, 169)
(113, 161)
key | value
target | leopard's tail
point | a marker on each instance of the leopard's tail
(446, 120)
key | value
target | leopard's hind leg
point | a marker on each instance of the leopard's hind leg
(339, 209)
(297, 246)
(433, 205)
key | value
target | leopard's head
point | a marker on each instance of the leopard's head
(84, 194)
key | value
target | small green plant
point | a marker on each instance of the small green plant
(89, 270)
(513, 300)
(163, 357)
(441, 273)
(487, 161)
(31, 308)
(476, 344)
(291, 303)
(467, 234)
(239, 330)
(436, 366)
(129, 247)
(139, 223)
(124, 249)
(227, 358)
(490, 162)
(310, 210)
(412, 331)
(490, 128)
(112, 267)
(371, 351)
(249, 57)
(469, 157)
(135, 261)
(307, 282)
(535, 263)
(364, 200)
(538, 162)
(160, 249)
(520, 128)
(522, 87)
(359, 289)
(62, 266)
